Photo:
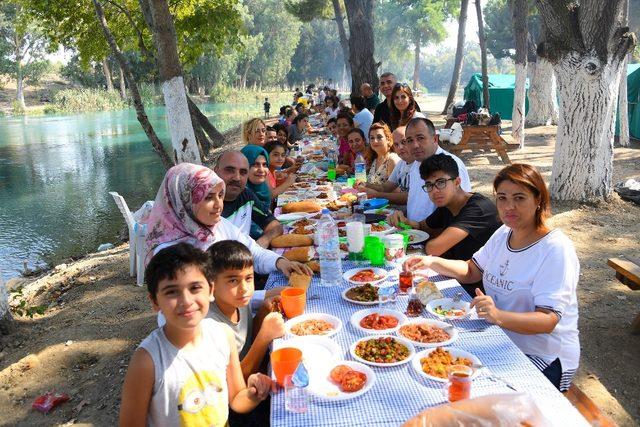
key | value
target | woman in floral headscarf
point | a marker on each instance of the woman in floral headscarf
(188, 208)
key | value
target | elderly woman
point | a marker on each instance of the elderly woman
(403, 106)
(188, 208)
(530, 273)
(254, 132)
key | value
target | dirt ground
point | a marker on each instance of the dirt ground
(96, 316)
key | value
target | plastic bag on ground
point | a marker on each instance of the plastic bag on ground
(500, 410)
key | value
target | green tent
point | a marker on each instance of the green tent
(633, 97)
(501, 87)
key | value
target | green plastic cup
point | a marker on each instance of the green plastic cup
(377, 255)
(369, 242)
(350, 182)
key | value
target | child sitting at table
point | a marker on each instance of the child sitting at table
(186, 372)
(232, 273)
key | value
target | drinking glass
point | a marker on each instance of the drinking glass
(459, 385)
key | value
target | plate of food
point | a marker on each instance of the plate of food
(448, 309)
(359, 276)
(377, 320)
(432, 363)
(381, 229)
(317, 352)
(382, 211)
(416, 236)
(428, 333)
(294, 216)
(366, 294)
(341, 380)
(384, 350)
(304, 222)
(318, 324)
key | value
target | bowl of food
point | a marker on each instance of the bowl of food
(377, 320)
(318, 324)
(382, 351)
(366, 294)
(359, 276)
(428, 333)
(448, 309)
(432, 363)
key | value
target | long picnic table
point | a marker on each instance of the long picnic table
(399, 393)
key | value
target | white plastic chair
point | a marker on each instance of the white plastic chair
(137, 235)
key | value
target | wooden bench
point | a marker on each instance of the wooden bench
(628, 272)
(587, 408)
(482, 138)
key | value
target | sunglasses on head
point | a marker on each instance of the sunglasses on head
(399, 85)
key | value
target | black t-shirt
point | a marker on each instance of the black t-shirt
(383, 112)
(244, 210)
(479, 218)
(267, 106)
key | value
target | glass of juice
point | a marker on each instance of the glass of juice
(459, 385)
(405, 282)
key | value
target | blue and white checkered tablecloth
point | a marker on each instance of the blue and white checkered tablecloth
(399, 393)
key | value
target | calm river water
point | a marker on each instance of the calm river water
(56, 173)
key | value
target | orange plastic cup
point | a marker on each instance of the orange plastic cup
(285, 361)
(294, 301)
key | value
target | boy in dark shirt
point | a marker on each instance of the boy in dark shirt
(267, 107)
(462, 222)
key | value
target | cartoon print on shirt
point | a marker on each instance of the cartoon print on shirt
(200, 402)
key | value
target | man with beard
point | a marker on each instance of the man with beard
(240, 203)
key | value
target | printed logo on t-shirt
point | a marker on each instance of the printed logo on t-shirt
(504, 268)
(499, 284)
(201, 401)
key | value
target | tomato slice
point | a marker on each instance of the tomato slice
(338, 373)
(353, 381)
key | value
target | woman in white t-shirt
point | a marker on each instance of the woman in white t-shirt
(530, 273)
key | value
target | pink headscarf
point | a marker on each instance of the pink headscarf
(172, 218)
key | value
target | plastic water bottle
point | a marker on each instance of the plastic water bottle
(329, 250)
(360, 168)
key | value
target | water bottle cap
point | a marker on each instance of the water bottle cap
(325, 211)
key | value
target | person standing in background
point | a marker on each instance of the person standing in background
(267, 107)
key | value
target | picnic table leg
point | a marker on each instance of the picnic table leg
(500, 147)
(635, 325)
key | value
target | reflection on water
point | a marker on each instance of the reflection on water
(56, 173)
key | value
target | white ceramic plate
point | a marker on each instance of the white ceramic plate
(378, 271)
(381, 211)
(407, 343)
(361, 314)
(451, 330)
(294, 216)
(344, 297)
(446, 304)
(333, 320)
(419, 236)
(317, 352)
(387, 230)
(417, 366)
(321, 386)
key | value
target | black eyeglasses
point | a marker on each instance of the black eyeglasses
(439, 184)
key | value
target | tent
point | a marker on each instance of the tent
(633, 97)
(501, 88)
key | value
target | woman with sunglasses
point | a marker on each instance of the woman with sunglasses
(530, 272)
(403, 106)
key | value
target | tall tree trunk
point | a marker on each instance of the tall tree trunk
(133, 88)
(361, 44)
(123, 86)
(457, 68)
(6, 320)
(483, 54)
(623, 102)
(543, 105)
(519, 12)
(342, 34)
(20, 85)
(416, 61)
(217, 139)
(183, 139)
(623, 107)
(587, 45)
(107, 74)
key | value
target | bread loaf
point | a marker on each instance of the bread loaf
(303, 206)
(302, 254)
(291, 241)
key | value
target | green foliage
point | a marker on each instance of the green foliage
(309, 10)
(81, 100)
(21, 307)
(498, 28)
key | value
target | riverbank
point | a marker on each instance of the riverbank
(95, 316)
